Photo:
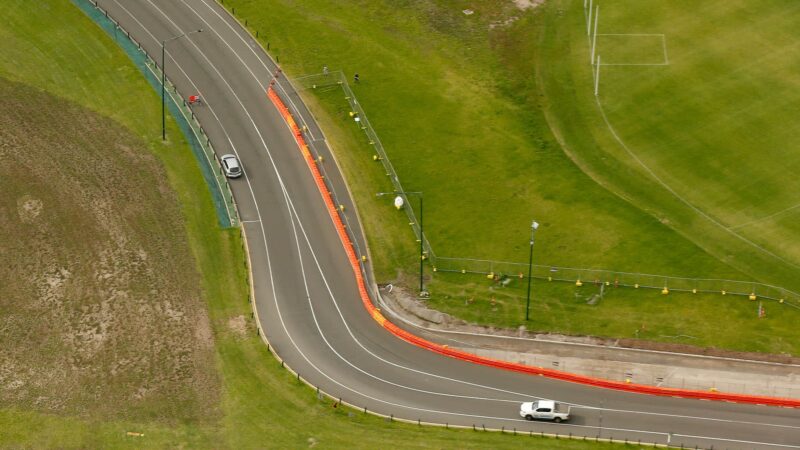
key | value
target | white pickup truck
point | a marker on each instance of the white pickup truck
(545, 410)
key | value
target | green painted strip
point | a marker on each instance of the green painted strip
(223, 203)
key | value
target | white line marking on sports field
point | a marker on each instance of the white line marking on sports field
(775, 214)
(679, 197)
(294, 213)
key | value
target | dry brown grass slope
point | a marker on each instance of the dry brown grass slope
(101, 313)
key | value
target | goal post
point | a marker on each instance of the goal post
(594, 37)
(597, 77)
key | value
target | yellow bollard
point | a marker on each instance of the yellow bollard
(752, 296)
(636, 286)
(579, 283)
(434, 268)
(363, 257)
(665, 291)
(490, 275)
(694, 291)
(463, 270)
(723, 292)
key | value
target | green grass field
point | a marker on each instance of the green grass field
(70, 66)
(492, 116)
(703, 142)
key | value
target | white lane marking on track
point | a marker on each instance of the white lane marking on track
(272, 279)
(577, 406)
(259, 57)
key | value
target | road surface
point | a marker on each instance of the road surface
(305, 292)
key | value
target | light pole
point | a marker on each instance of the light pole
(421, 229)
(163, 81)
(534, 226)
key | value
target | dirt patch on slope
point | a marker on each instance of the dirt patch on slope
(100, 309)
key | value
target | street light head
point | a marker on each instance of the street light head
(535, 225)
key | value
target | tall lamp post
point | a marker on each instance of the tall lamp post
(421, 229)
(163, 81)
(534, 226)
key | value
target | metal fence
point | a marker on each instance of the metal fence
(598, 277)
(212, 170)
(579, 276)
(337, 78)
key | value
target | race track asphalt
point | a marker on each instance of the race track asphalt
(305, 292)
